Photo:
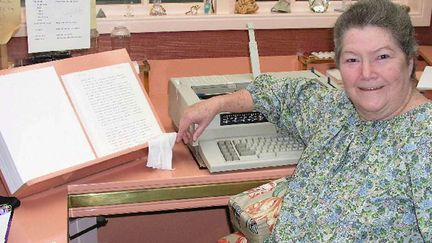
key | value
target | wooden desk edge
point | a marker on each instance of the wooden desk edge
(165, 197)
(426, 53)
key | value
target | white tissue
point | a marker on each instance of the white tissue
(160, 151)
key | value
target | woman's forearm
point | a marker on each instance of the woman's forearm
(239, 101)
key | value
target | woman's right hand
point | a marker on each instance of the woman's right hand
(203, 112)
(199, 114)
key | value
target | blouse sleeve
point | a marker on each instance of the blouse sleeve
(298, 106)
(421, 185)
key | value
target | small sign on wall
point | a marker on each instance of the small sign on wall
(57, 25)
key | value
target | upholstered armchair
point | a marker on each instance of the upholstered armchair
(253, 213)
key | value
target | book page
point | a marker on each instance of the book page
(112, 107)
(38, 124)
(57, 25)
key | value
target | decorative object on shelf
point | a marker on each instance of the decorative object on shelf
(193, 10)
(344, 6)
(323, 54)
(318, 6)
(282, 6)
(208, 7)
(406, 7)
(120, 38)
(157, 8)
(101, 14)
(129, 10)
(246, 7)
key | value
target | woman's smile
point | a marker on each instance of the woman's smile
(371, 88)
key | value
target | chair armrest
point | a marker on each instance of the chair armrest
(254, 212)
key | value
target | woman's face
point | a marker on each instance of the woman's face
(375, 73)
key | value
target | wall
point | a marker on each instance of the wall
(201, 44)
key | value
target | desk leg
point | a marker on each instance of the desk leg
(80, 224)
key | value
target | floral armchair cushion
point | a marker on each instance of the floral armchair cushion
(254, 212)
(236, 237)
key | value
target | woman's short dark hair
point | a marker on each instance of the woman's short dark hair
(380, 13)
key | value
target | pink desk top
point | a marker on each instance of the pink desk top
(44, 217)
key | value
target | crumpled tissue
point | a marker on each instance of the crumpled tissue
(160, 151)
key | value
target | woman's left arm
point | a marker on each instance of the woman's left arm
(421, 184)
(297, 105)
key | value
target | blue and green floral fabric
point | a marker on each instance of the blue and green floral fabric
(356, 180)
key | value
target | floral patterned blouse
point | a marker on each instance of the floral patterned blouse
(356, 180)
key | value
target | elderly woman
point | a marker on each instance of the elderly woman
(366, 171)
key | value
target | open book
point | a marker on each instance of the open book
(70, 118)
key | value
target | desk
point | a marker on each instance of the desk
(426, 53)
(44, 217)
(306, 60)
